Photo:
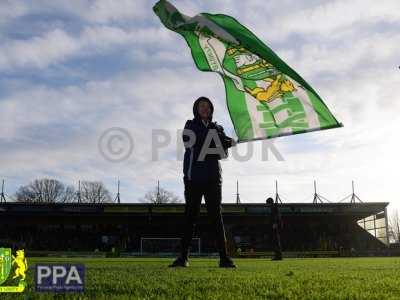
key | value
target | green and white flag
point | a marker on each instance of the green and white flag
(265, 97)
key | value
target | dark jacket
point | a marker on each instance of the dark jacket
(209, 169)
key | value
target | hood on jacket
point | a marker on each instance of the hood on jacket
(196, 104)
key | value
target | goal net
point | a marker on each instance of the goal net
(151, 245)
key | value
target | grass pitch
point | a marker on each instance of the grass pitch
(146, 278)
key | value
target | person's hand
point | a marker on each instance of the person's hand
(274, 226)
(219, 128)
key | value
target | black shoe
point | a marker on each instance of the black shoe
(179, 262)
(226, 263)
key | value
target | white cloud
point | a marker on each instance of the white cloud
(105, 11)
(92, 11)
(38, 52)
(57, 46)
(327, 19)
(371, 53)
(11, 9)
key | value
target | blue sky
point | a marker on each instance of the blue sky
(69, 70)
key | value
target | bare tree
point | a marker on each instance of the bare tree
(159, 196)
(94, 192)
(26, 194)
(394, 226)
(70, 194)
(44, 190)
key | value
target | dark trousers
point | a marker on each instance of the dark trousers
(194, 191)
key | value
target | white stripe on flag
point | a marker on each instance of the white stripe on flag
(280, 116)
(214, 51)
(256, 116)
(311, 115)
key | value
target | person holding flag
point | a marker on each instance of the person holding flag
(205, 144)
(265, 97)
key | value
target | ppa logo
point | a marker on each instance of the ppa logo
(60, 277)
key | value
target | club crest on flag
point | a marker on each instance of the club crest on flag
(259, 78)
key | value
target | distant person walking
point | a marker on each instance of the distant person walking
(205, 144)
(275, 228)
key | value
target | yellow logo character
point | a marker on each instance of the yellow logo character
(22, 264)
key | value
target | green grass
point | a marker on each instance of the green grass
(145, 278)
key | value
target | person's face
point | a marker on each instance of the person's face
(204, 109)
